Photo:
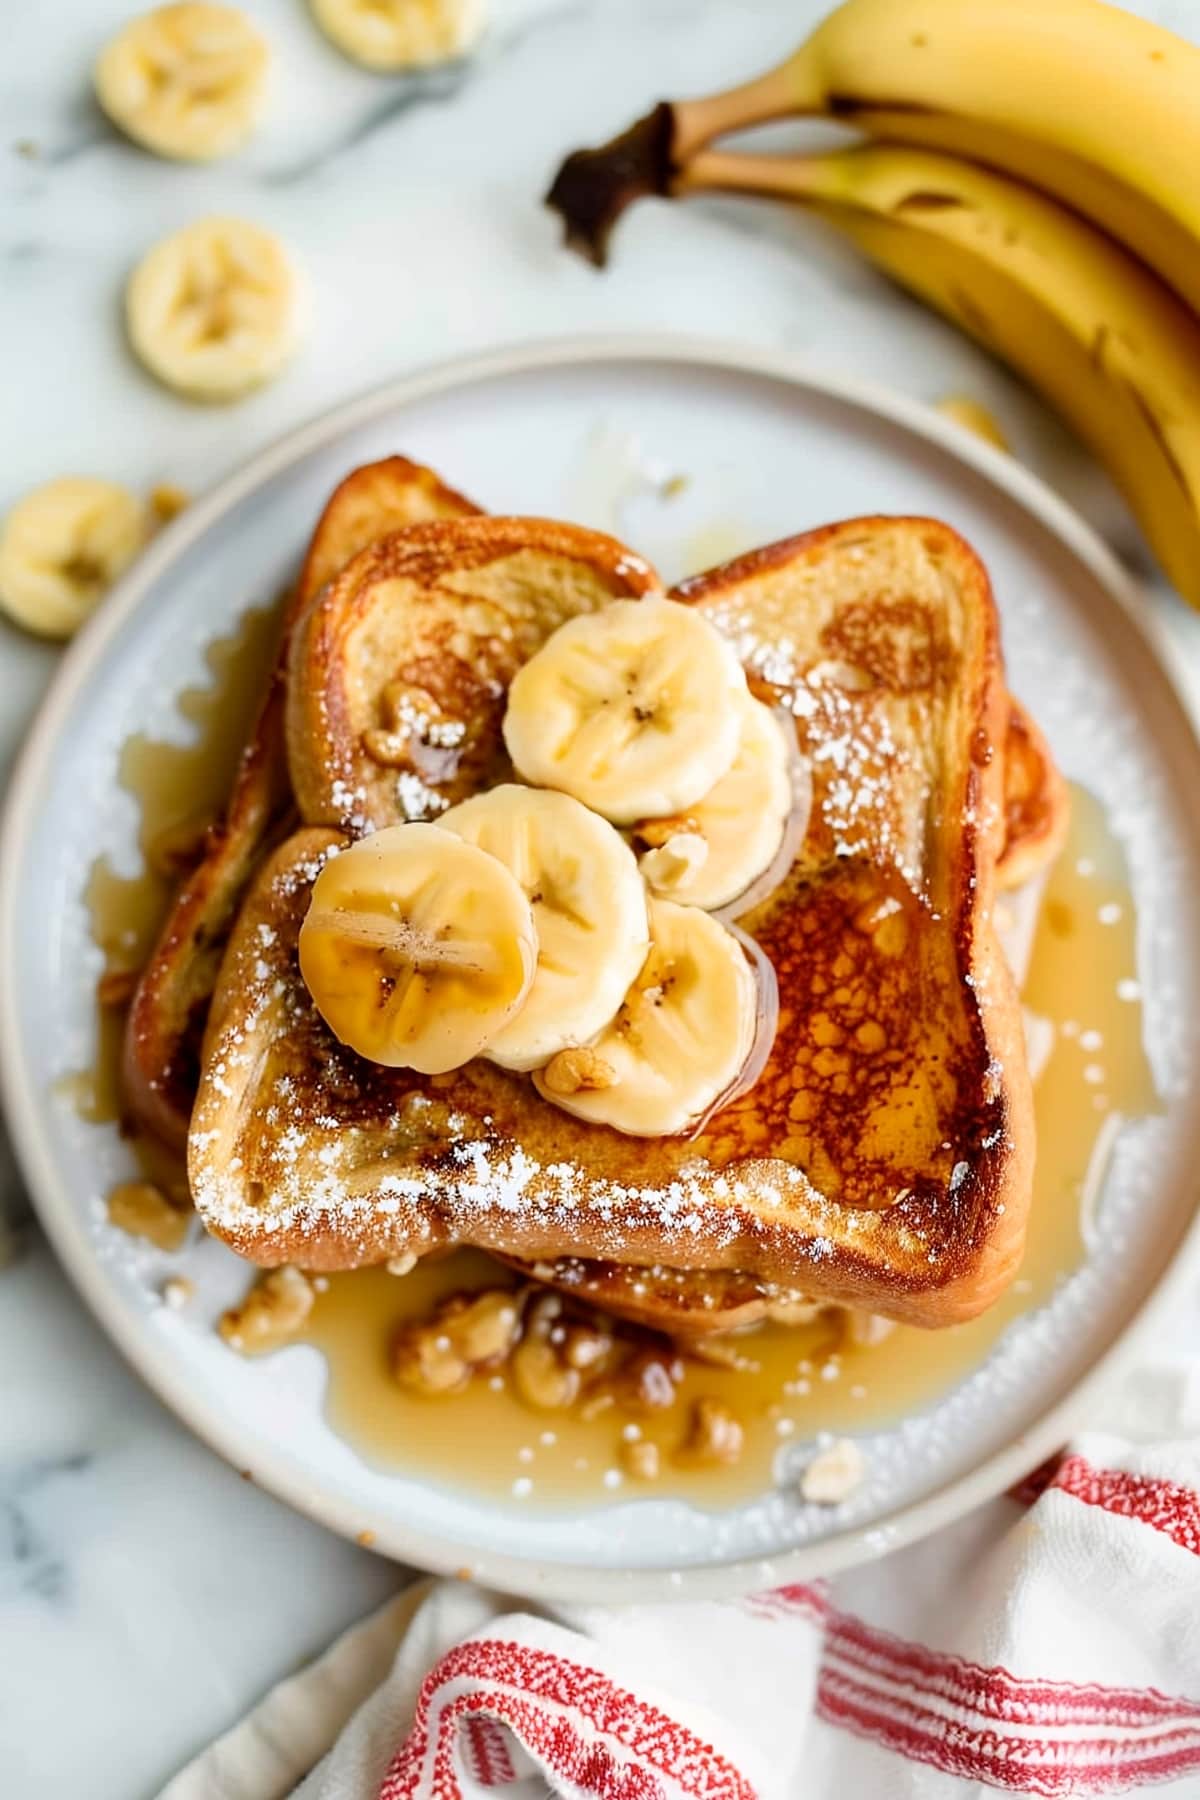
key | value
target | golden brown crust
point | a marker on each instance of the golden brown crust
(884, 1159)
(1037, 804)
(160, 1064)
(415, 643)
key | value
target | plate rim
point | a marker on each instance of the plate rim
(27, 1114)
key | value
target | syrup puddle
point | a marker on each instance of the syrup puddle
(179, 789)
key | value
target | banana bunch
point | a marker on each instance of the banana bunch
(520, 926)
(1032, 178)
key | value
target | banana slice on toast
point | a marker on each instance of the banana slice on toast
(682, 1036)
(417, 948)
(186, 81)
(635, 710)
(400, 669)
(713, 853)
(589, 913)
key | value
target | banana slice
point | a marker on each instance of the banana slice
(214, 309)
(685, 1031)
(62, 547)
(400, 34)
(589, 910)
(718, 848)
(187, 81)
(633, 709)
(417, 948)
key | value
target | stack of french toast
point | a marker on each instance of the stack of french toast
(642, 938)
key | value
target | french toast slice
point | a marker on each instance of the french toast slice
(398, 670)
(883, 1158)
(170, 1004)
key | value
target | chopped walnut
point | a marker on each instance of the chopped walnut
(647, 1382)
(439, 1355)
(866, 1329)
(671, 867)
(722, 1350)
(541, 1375)
(143, 1210)
(833, 1474)
(389, 748)
(274, 1310)
(577, 1071)
(641, 1459)
(714, 1434)
(176, 1292)
(586, 1347)
(116, 987)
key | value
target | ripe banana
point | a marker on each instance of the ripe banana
(186, 81)
(62, 547)
(215, 309)
(683, 1035)
(1083, 321)
(633, 709)
(589, 912)
(719, 847)
(1085, 100)
(417, 948)
(400, 34)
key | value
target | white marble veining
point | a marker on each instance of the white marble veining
(147, 1594)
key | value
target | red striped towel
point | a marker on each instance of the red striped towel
(1049, 1644)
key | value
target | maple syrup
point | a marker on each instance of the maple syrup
(1082, 983)
(179, 790)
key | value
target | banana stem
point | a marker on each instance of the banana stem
(797, 177)
(695, 123)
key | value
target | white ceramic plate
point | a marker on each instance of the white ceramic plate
(584, 430)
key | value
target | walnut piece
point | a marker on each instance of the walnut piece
(833, 1474)
(641, 1459)
(541, 1375)
(715, 1435)
(671, 868)
(577, 1071)
(143, 1210)
(438, 1355)
(274, 1310)
(866, 1329)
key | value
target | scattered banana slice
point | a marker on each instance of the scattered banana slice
(417, 948)
(186, 81)
(633, 709)
(684, 1033)
(62, 547)
(215, 309)
(589, 910)
(740, 822)
(400, 34)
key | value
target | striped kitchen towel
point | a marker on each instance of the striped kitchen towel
(1048, 1644)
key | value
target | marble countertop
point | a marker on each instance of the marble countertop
(147, 1595)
